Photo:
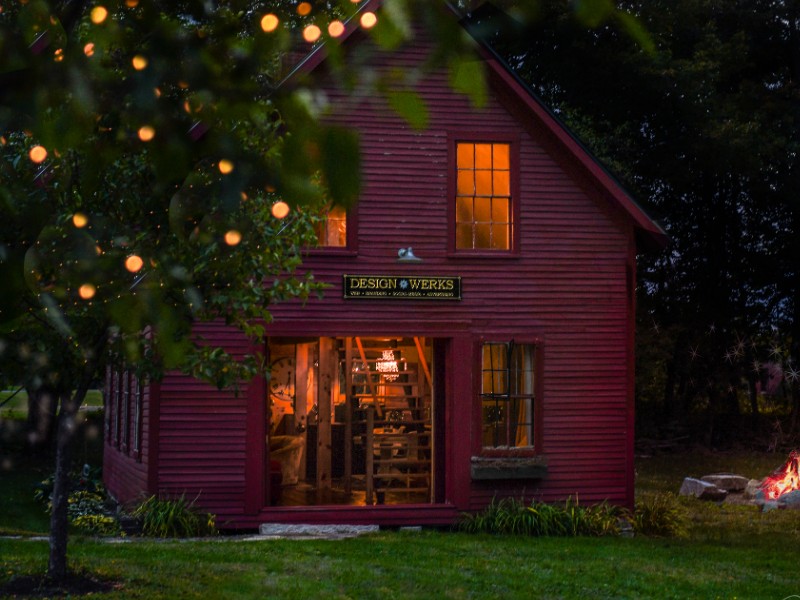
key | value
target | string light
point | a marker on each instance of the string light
(304, 8)
(88, 49)
(37, 154)
(98, 14)
(146, 133)
(335, 29)
(139, 62)
(233, 237)
(280, 209)
(225, 166)
(368, 20)
(134, 263)
(311, 33)
(269, 23)
(80, 220)
(87, 291)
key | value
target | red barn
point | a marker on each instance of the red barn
(476, 340)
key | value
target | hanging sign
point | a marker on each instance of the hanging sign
(417, 287)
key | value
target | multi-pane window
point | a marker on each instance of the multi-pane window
(507, 394)
(332, 230)
(483, 196)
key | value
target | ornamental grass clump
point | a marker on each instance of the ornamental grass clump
(659, 515)
(510, 516)
(176, 517)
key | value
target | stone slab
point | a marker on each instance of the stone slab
(702, 490)
(302, 531)
(727, 481)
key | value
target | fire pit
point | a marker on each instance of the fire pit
(783, 485)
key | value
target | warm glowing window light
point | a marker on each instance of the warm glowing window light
(336, 28)
(225, 166)
(139, 62)
(134, 263)
(368, 20)
(280, 209)
(269, 23)
(98, 14)
(37, 154)
(311, 33)
(87, 291)
(483, 196)
(146, 133)
(233, 237)
(80, 220)
(88, 49)
(304, 8)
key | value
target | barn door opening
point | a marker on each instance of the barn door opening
(352, 421)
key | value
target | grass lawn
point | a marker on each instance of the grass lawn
(17, 406)
(730, 552)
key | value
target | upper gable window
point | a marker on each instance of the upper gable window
(483, 199)
(332, 229)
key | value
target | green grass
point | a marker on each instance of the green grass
(17, 407)
(729, 552)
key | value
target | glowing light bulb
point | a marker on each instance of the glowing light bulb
(80, 220)
(304, 8)
(269, 23)
(139, 62)
(98, 14)
(134, 263)
(311, 33)
(37, 154)
(225, 166)
(87, 291)
(336, 28)
(280, 209)
(146, 133)
(233, 237)
(131, 3)
(368, 20)
(88, 49)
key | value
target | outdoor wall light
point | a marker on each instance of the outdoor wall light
(407, 255)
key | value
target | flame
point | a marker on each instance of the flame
(783, 480)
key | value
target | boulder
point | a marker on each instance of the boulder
(753, 489)
(790, 500)
(702, 490)
(727, 481)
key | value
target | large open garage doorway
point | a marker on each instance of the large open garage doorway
(353, 420)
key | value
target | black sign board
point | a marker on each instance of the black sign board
(417, 287)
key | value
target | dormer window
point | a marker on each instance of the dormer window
(483, 196)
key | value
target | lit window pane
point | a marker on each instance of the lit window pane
(500, 237)
(466, 156)
(464, 236)
(500, 210)
(332, 233)
(464, 210)
(500, 155)
(483, 210)
(483, 156)
(502, 185)
(465, 185)
(483, 232)
(483, 183)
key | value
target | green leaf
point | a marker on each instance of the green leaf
(409, 105)
(341, 165)
(467, 77)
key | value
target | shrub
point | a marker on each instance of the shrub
(512, 516)
(659, 515)
(164, 517)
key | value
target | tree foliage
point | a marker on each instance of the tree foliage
(705, 130)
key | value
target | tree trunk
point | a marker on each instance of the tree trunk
(57, 564)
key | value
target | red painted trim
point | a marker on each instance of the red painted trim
(631, 376)
(256, 479)
(154, 435)
(462, 376)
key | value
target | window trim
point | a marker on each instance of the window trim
(478, 449)
(513, 141)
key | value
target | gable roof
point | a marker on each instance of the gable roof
(537, 116)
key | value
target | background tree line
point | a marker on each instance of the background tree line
(704, 130)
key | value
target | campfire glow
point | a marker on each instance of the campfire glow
(784, 479)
